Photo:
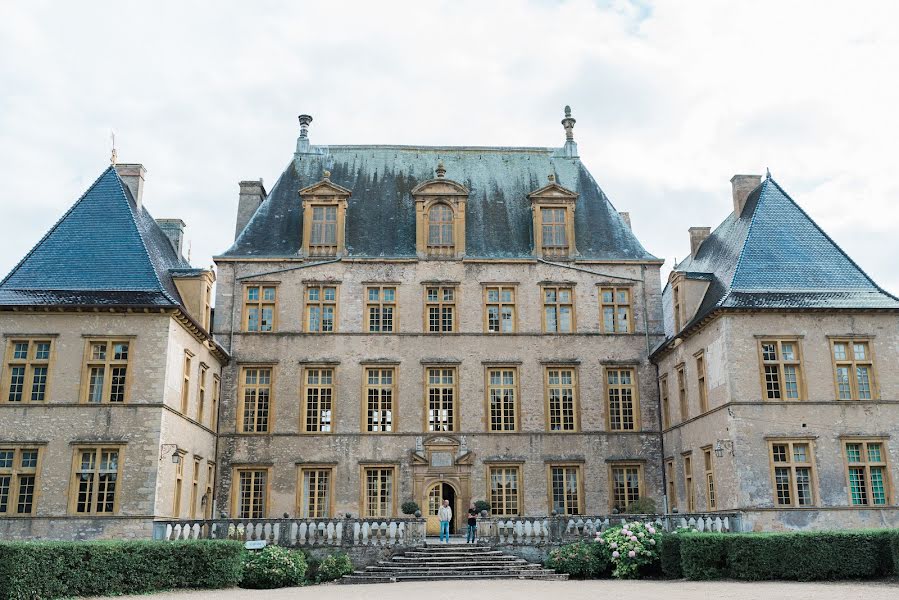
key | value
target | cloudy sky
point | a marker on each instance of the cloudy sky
(671, 99)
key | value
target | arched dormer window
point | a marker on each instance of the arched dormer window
(440, 226)
(440, 217)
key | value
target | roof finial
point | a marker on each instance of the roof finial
(326, 175)
(441, 170)
(305, 120)
(767, 173)
(551, 177)
(568, 123)
(113, 157)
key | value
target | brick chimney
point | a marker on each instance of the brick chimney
(697, 236)
(133, 176)
(252, 193)
(626, 217)
(742, 185)
(174, 230)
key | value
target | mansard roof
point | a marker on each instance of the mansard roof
(104, 251)
(774, 256)
(380, 218)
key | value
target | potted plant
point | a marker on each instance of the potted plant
(483, 507)
(410, 507)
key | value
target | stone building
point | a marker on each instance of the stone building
(429, 323)
(109, 382)
(778, 380)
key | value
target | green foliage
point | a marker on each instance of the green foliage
(334, 566)
(273, 567)
(409, 507)
(632, 549)
(643, 506)
(581, 560)
(894, 547)
(669, 556)
(43, 570)
(704, 555)
(481, 506)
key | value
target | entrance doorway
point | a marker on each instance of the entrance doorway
(437, 493)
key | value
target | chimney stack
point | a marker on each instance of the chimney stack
(133, 176)
(252, 193)
(174, 230)
(742, 185)
(697, 236)
(626, 217)
(303, 145)
(569, 150)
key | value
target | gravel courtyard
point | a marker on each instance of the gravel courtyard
(566, 590)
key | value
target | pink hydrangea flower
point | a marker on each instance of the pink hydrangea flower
(652, 542)
(632, 554)
(651, 530)
(614, 545)
(615, 554)
(633, 538)
(600, 540)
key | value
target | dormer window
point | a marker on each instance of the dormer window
(324, 228)
(440, 217)
(554, 236)
(440, 228)
(553, 211)
(324, 218)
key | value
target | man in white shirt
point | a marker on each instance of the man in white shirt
(445, 514)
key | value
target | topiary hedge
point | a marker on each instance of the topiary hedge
(43, 570)
(704, 555)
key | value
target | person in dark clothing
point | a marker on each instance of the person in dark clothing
(472, 524)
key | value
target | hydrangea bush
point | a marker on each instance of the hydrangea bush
(630, 547)
(273, 567)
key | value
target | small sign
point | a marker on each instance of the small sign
(255, 545)
(441, 459)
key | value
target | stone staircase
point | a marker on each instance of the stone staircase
(451, 562)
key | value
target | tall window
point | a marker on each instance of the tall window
(678, 302)
(626, 488)
(18, 480)
(380, 390)
(666, 405)
(321, 308)
(615, 306)
(315, 499)
(255, 399)
(185, 383)
(106, 370)
(201, 392)
(868, 473)
(502, 392)
(504, 490)
(565, 489)
(441, 390)
(621, 390)
(555, 235)
(671, 484)
(195, 488)
(210, 483)
(561, 399)
(27, 370)
(854, 368)
(700, 382)
(711, 501)
(688, 483)
(440, 309)
(499, 309)
(682, 393)
(251, 493)
(216, 394)
(259, 307)
(378, 501)
(792, 464)
(381, 309)
(324, 229)
(95, 481)
(318, 395)
(558, 310)
(179, 482)
(440, 226)
(781, 369)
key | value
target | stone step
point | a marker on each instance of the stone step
(461, 553)
(391, 568)
(535, 575)
(400, 560)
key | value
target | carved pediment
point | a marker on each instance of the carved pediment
(438, 187)
(552, 193)
(441, 440)
(325, 188)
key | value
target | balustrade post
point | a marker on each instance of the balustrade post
(346, 540)
(557, 526)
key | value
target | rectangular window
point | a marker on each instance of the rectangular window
(201, 392)
(792, 466)
(255, 399)
(440, 309)
(315, 497)
(251, 493)
(502, 394)
(781, 369)
(106, 371)
(195, 488)
(505, 499)
(558, 310)
(682, 393)
(380, 390)
(688, 483)
(678, 302)
(179, 482)
(216, 395)
(27, 370)
(615, 308)
(554, 232)
(210, 483)
(381, 309)
(95, 481)
(626, 485)
(378, 501)
(565, 489)
(321, 308)
(259, 308)
(561, 398)
(854, 369)
(711, 501)
(869, 483)
(624, 406)
(18, 480)
(441, 394)
(700, 382)
(318, 399)
(671, 484)
(666, 405)
(324, 226)
(185, 383)
(499, 309)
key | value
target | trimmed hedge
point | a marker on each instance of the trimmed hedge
(894, 545)
(43, 570)
(669, 556)
(704, 555)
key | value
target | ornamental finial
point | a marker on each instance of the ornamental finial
(326, 174)
(441, 170)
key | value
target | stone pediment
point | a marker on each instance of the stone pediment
(439, 187)
(326, 188)
(553, 192)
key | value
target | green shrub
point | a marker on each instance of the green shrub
(669, 556)
(704, 555)
(43, 570)
(273, 567)
(632, 549)
(409, 507)
(894, 547)
(481, 506)
(334, 566)
(581, 560)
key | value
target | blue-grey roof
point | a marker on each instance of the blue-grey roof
(775, 256)
(380, 219)
(104, 251)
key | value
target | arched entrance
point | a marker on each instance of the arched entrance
(436, 494)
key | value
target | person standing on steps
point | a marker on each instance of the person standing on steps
(445, 514)
(472, 524)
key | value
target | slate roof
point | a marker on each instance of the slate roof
(380, 220)
(102, 252)
(774, 256)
